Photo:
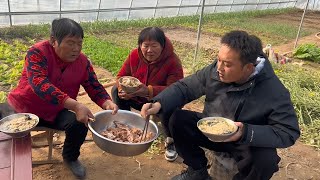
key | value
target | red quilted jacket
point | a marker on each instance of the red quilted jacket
(46, 83)
(166, 70)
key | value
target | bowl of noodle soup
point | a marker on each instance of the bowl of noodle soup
(217, 129)
(19, 124)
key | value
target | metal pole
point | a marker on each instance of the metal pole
(155, 9)
(198, 36)
(257, 5)
(279, 4)
(269, 4)
(38, 5)
(314, 3)
(245, 5)
(9, 9)
(129, 9)
(300, 26)
(99, 10)
(287, 5)
(295, 3)
(198, 6)
(215, 7)
(231, 5)
(60, 10)
(179, 7)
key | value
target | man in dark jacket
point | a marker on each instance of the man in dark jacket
(239, 85)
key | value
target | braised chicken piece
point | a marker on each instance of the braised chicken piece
(124, 133)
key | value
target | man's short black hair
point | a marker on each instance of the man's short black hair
(248, 46)
(152, 33)
(64, 27)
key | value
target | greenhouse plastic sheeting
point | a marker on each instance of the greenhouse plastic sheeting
(16, 12)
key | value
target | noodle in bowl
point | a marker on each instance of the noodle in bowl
(18, 125)
(217, 129)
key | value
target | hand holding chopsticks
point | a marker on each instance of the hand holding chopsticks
(148, 109)
(146, 125)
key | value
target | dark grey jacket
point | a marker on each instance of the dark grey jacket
(263, 104)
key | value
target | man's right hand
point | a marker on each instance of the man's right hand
(146, 110)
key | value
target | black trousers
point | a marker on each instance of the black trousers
(127, 104)
(75, 131)
(254, 163)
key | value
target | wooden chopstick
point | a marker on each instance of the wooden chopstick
(91, 119)
(146, 125)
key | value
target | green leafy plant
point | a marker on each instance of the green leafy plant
(12, 60)
(308, 52)
(3, 96)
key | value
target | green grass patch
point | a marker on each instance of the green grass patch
(274, 32)
(217, 23)
(304, 86)
(27, 32)
(105, 54)
(186, 54)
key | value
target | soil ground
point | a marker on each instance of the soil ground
(299, 162)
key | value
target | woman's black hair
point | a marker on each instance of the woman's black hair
(64, 27)
(152, 33)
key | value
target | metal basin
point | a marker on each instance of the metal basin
(15, 116)
(104, 119)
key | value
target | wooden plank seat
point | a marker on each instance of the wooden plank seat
(49, 136)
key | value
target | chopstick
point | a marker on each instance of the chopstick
(146, 125)
(91, 119)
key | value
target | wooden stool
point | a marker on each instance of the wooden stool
(49, 133)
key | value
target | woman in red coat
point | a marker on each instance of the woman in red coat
(156, 65)
(53, 72)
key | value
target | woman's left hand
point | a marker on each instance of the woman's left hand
(109, 105)
(143, 91)
(237, 135)
(123, 95)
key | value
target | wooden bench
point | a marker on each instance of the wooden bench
(15, 155)
(49, 136)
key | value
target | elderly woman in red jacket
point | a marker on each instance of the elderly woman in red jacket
(53, 72)
(156, 65)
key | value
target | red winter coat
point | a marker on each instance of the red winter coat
(166, 70)
(46, 83)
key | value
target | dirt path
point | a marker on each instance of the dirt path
(298, 162)
(207, 41)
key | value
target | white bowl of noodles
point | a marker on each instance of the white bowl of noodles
(217, 129)
(18, 125)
